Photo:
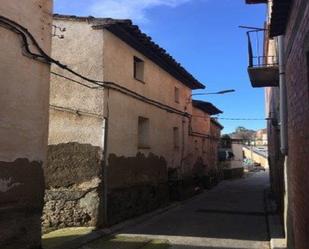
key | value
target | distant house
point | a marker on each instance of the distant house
(114, 144)
(205, 133)
(260, 138)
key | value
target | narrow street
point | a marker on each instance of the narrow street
(230, 216)
(154, 124)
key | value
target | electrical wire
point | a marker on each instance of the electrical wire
(248, 119)
(43, 57)
(25, 34)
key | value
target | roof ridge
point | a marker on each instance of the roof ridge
(126, 30)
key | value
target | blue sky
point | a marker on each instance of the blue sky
(203, 35)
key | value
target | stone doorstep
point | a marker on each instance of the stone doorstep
(97, 234)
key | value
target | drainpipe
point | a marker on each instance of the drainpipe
(284, 139)
(105, 173)
(283, 98)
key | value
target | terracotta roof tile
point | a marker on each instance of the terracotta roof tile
(133, 36)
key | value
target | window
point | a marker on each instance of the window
(138, 69)
(176, 94)
(143, 133)
(176, 137)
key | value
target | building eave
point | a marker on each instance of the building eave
(255, 1)
(133, 36)
(279, 17)
(215, 122)
(206, 107)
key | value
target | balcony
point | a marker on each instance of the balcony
(263, 70)
(255, 1)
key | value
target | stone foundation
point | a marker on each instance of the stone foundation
(136, 200)
(73, 195)
(136, 185)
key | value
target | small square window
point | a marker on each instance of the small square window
(143, 133)
(176, 94)
(176, 137)
(138, 69)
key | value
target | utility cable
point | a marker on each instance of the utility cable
(24, 33)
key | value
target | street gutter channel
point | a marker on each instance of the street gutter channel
(273, 224)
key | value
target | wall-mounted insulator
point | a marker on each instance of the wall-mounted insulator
(57, 29)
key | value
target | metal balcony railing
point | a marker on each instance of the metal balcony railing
(263, 61)
(263, 70)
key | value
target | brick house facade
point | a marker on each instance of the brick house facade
(289, 21)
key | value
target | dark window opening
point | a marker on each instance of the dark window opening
(143, 133)
(138, 69)
(176, 137)
(176, 94)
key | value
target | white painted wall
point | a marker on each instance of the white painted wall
(76, 112)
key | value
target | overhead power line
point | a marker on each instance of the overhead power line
(248, 119)
(43, 57)
(232, 119)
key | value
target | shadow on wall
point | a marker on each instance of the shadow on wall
(136, 185)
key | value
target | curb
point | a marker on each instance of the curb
(275, 229)
(97, 234)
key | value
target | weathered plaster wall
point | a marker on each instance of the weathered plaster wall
(76, 111)
(200, 142)
(215, 132)
(24, 133)
(123, 126)
(24, 97)
(124, 111)
(74, 171)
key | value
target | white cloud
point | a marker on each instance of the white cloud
(131, 9)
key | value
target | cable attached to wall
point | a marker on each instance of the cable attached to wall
(43, 57)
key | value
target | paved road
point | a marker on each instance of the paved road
(230, 216)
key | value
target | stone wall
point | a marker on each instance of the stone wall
(136, 185)
(73, 186)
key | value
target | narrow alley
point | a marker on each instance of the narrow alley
(230, 216)
(154, 124)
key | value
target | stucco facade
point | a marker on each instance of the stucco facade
(76, 130)
(135, 131)
(24, 99)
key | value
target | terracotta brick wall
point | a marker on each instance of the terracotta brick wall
(297, 47)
